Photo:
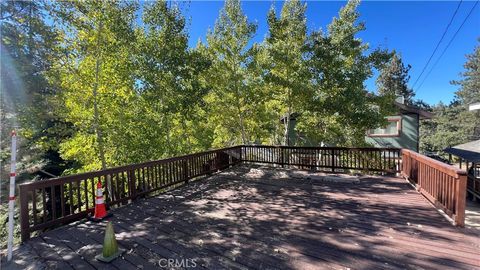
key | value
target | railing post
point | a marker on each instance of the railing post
(131, 184)
(401, 163)
(185, 171)
(24, 222)
(333, 160)
(460, 194)
(282, 156)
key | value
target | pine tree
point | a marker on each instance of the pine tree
(28, 48)
(393, 79)
(469, 91)
(454, 124)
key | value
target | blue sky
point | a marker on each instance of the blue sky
(412, 28)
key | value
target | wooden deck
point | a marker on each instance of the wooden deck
(250, 218)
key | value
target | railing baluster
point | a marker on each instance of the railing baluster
(333, 160)
(93, 191)
(157, 176)
(44, 204)
(53, 202)
(24, 219)
(62, 201)
(124, 180)
(34, 206)
(85, 188)
(442, 184)
(79, 198)
(70, 193)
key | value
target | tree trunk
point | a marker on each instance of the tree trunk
(242, 127)
(286, 134)
(286, 139)
(96, 116)
(185, 134)
(170, 149)
(239, 105)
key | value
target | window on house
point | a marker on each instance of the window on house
(393, 129)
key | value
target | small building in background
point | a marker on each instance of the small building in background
(469, 159)
(403, 129)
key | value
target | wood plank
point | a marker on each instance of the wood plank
(176, 246)
(51, 258)
(128, 260)
(267, 232)
(66, 253)
(231, 221)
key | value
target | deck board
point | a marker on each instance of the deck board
(280, 219)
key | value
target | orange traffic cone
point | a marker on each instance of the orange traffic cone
(100, 210)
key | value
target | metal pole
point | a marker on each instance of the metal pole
(11, 197)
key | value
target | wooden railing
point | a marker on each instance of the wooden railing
(473, 180)
(49, 203)
(443, 185)
(331, 159)
(52, 202)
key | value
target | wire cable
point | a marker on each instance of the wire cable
(438, 43)
(448, 45)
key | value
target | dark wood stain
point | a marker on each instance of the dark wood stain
(233, 221)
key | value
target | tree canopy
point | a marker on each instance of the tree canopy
(393, 80)
(96, 84)
(121, 83)
(453, 123)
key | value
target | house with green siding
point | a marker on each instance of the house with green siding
(402, 130)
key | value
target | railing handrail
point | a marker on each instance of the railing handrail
(328, 159)
(75, 177)
(323, 147)
(445, 168)
(68, 198)
(442, 184)
(72, 197)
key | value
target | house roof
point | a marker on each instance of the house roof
(469, 151)
(293, 116)
(413, 109)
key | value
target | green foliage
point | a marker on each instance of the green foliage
(469, 91)
(96, 80)
(234, 100)
(4, 226)
(286, 72)
(339, 109)
(123, 92)
(29, 45)
(454, 124)
(104, 87)
(393, 80)
(169, 84)
(132, 93)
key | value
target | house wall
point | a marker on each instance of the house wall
(292, 134)
(408, 136)
(296, 138)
